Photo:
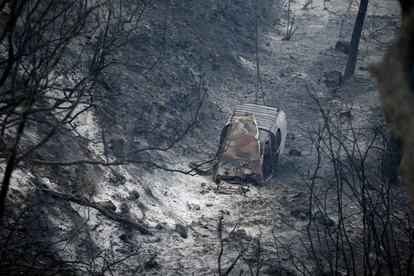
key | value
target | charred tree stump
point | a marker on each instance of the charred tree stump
(354, 44)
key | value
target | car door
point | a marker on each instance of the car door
(267, 155)
(275, 144)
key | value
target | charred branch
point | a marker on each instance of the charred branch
(107, 213)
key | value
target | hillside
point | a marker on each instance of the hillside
(111, 193)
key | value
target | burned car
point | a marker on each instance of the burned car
(250, 144)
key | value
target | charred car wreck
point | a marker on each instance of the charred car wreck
(250, 145)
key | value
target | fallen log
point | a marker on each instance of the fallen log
(104, 211)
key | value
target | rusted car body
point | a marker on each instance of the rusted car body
(250, 144)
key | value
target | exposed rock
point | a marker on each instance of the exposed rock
(241, 234)
(181, 230)
(149, 192)
(295, 152)
(333, 78)
(203, 192)
(117, 178)
(244, 189)
(142, 207)
(195, 207)
(151, 264)
(134, 195)
(300, 213)
(342, 46)
(124, 237)
(108, 205)
(160, 226)
(209, 204)
(290, 136)
(323, 219)
(124, 208)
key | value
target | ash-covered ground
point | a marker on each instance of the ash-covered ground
(185, 49)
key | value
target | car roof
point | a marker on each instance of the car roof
(266, 116)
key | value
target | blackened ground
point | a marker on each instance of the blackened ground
(155, 92)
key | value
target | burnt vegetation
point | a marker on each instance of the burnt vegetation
(65, 64)
(55, 60)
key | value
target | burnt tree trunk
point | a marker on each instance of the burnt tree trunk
(396, 86)
(354, 44)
